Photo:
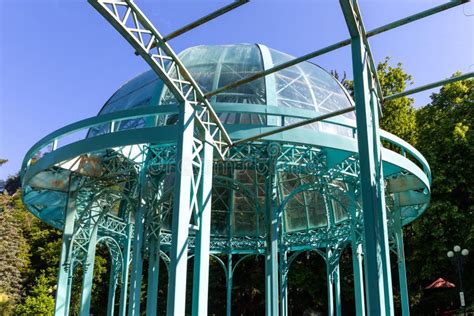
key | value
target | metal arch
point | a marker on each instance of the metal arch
(111, 244)
(221, 263)
(165, 259)
(219, 260)
(79, 243)
(295, 254)
(149, 43)
(319, 187)
(88, 263)
(116, 270)
(243, 258)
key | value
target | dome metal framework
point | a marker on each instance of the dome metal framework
(225, 151)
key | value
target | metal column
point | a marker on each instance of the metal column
(357, 266)
(357, 253)
(376, 260)
(337, 289)
(63, 290)
(176, 303)
(229, 281)
(330, 287)
(69, 288)
(271, 249)
(112, 287)
(333, 282)
(126, 267)
(137, 262)
(88, 267)
(203, 234)
(284, 282)
(153, 276)
(402, 274)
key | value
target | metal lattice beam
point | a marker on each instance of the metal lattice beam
(129, 20)
(338, 45)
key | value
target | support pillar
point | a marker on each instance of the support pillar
(229, 284)
(88, 272)
(357, 266)
(125, 268)
(113, 279)
(203, 235)
(402, 274)
(333, 281)
(63, 289)
(337, 289)
(69, 287)
(284, 283)
(357, 253)
(330, 289)
(176, 303)
(153, 276)
(271, 250)
(230, 231)
(137, 263)
(376, 250)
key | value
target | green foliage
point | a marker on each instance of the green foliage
(398, 114)
(14, 251)
(12, 184)
(446, 139)
(29, 261)
(40, 301)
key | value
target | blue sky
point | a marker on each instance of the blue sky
(60, 60)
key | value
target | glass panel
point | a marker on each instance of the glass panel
(220, 209)
(135, 93)
(309, 87)
(204, 75)
(340, 212)
(244, 216)
(295, 214)
(340, 201)
(241, 61)
(219, 222)
(317, 212)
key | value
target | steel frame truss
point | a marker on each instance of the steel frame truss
(128, 19)
(137, 230)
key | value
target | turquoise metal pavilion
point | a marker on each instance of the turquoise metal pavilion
(229, 151)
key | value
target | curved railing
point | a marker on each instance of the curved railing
(55, 139)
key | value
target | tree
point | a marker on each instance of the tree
(398, 114)
(446, 139)
(14, 257)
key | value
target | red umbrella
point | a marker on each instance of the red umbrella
(440, 283)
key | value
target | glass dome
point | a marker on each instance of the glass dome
(305, 87)
(239, 194)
